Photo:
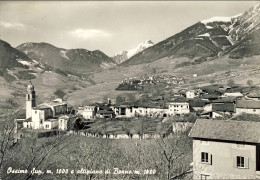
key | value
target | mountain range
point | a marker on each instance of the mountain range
(237, 36)
(68, 60)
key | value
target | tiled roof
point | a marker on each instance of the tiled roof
(254, 95)
(51, 120)
(42, 106)
(240, 131)
(54, 103)
(223, 107)
(198, 103)
(105, 112)
(238, 94)
(248, 104)
(225, 99)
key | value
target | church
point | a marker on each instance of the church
(51, 115)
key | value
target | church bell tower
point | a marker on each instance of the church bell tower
(30, 100)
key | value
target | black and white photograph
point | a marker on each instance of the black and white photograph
(129, 90)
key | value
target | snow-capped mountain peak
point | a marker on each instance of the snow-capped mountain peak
(124, 55)
(219, 19)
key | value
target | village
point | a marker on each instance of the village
(210, 113)
(138, 83)
(206, 104)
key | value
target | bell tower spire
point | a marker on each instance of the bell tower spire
(30, 100)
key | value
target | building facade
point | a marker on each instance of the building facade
(178, 108)
(226, 149)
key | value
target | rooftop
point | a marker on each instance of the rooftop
(105, 112)
(230, 130)
(41, 106)
(248, 104)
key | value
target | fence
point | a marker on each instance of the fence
(116, 136)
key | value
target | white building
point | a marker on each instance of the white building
(190, 94)
(88, 112)
(43, 116)
(250, 107)
(178, 108)
(226, 149)
(234, 94)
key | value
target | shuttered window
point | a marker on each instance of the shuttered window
(241, 162)
(206, 158)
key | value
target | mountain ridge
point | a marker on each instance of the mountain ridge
(72, 60)
(208, 39)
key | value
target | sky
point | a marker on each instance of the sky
(109, 26)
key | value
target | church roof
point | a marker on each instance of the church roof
(41, 107)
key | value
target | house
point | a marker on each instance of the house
(254, 96)
(63, 122)
(234, 94)
(226, 149)
(105, 114)
(124, 111)
(197, 104)
(225, 105)
(178, 108)
(251, 107)
(211, 114)
(88, 112)
(190, 94)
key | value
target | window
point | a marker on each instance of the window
(41, 121)
(240, 162)
(254, 110)
(206, 158)
(47, 126)
(35, 112)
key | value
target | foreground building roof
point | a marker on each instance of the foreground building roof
(248, 104)
(228, 130)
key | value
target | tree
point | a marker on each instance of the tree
(120, 99)
(212, 81)
(154, 70)
(131, 97)
(105, 99)
(249, 83)
(59, 93)
(26, 153)
(230, 82)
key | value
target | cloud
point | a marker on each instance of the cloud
(90, 33)
(11, 25)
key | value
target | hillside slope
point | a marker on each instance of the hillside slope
(237, 36)
(69, 60)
